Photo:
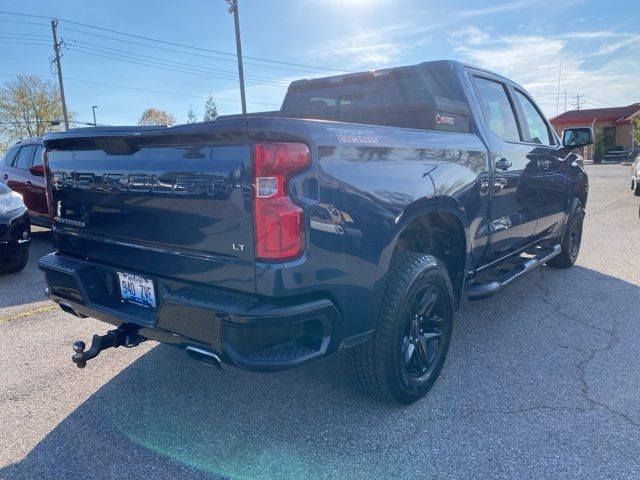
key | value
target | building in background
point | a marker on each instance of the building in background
(617, 124)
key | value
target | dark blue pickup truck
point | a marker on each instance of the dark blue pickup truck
(356, 217)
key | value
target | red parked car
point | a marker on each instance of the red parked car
(22, 171)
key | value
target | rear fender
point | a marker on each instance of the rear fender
(417, 209)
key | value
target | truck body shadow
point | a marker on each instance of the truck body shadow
(519, 362)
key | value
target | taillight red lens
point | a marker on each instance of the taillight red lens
(47, 186)
(279, 229)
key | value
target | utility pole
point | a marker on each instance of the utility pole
(558, 97)
(56, 49)
(94, 115)
(233, 10)
(565, 100)
(578, 97)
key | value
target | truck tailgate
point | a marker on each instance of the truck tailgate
(172, 202)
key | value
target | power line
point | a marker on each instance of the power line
(176, 44)
(146, 90)
(183, 45)
(600, 101)
(24, 34)
(165, 92)
(4, 36)
(101, 49)
(165, 67)
(16, 42)
(23, 22)
(166, 49)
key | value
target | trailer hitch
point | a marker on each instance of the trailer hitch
(120, 337)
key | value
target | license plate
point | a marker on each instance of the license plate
(137, 289)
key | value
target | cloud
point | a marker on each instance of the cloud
(472, 35)
(613, 47)
(534, 62)
(514, 5)
(505, 7)
(362, 49)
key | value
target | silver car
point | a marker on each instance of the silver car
(635, 176)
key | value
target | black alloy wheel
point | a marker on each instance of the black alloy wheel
(407, 352)
(423, 334)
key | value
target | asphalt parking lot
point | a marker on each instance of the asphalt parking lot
(542, 381)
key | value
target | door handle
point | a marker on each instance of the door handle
(28, 182)
(503, 164)
(5, 176)
(499, 184)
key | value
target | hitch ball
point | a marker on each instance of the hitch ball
(78, 358)
(120, 337)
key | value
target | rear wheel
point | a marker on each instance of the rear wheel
(571, 240)
(14, 262)
(406, 354)
(635, 186)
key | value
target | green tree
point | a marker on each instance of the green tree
(153, 116)
(29, 107)
(636, 132)
(210, 109)
(599, 149)
(191, 117)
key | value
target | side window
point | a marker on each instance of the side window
(37, 158)
(9, 156)
(497, 109)
(24, 158)
(538, 130)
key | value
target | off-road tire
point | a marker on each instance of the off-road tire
(569, 253)
(379, 364)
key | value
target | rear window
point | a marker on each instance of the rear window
(424, 97)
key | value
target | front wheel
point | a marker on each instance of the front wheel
(15, 262)
(406, 354)
(571, 239)
(635, 186)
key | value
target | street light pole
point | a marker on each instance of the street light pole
(233, 10)
(94, 115)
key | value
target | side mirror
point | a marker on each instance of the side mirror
(37, 170)
(577, 137)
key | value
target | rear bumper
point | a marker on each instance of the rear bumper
(245, 330)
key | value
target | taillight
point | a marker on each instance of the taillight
(47, 186)
(278, 221)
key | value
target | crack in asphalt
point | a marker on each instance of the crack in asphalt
(608, 205)
(590, 356)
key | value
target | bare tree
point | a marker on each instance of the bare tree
(153, 116)
(29, 107)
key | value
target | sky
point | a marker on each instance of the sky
(592, 47)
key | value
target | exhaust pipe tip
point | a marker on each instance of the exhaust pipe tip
(69, 309)
(204, 356)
